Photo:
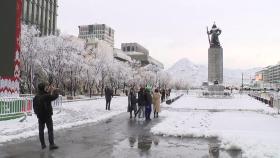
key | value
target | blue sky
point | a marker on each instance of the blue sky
(175, 29)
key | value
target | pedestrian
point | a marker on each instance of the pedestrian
(148, 101)
(108, 97)
(126, 92)
(163, 95)
(43, 109)
(169, 92)
(132, 101)
(141, 103)
(156, 102)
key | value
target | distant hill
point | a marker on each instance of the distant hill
(195, 74)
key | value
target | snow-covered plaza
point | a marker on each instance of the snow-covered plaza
(239, 123)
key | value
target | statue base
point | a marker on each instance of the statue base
(216, 91)
(215, 65)
(216, 88)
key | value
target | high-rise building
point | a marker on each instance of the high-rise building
(270, 74)
(42, 14)
(100, 31)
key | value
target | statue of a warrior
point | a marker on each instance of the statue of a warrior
(214, 32)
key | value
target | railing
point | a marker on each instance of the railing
(170, 101)
(9, 107)
(57, 104)
(270, 98)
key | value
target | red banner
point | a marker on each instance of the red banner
(9, 85)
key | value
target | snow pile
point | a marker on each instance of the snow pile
(72, 114)
(240, 122)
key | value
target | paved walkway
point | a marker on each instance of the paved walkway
(118, 137)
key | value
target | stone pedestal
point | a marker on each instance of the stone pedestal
(216, 88)
(216, 91)
(215, 65)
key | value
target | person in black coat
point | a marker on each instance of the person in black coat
(108, 97)
(148, 103)
(43, 109)
(163, 93)
(141, 103)
(132, 101)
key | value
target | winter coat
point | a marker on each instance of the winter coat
(148, 99)
(132, 101)
(42, 104)
(141, 98)
(163, 94)
(108, 94)
(156, 101)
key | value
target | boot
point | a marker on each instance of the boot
(43, 146)
(53, 147)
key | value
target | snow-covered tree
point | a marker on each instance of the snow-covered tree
(66, 62)
(28, 56)
(164, 80)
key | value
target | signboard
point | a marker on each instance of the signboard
(10, 17)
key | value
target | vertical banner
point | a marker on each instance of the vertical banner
(10, 30)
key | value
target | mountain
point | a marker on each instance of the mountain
(195, 74)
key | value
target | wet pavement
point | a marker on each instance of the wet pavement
(118, 137)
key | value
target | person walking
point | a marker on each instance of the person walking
(163, 92)
(132, 101)
(156, 102)
(148, 101)
(141, 103)
(108, 97)
(43, 109)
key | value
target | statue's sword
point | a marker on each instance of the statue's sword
(208, 35)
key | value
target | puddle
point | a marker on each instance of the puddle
(166, 147)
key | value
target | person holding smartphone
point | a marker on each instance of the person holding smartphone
(43, 109)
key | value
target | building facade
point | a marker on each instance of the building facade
(269, 76)
(120, 55)
(100, 31)
(140, 53)
(42, 14)
(134, 47)
(94, 45)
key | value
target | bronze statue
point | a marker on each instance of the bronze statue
(214, 32)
